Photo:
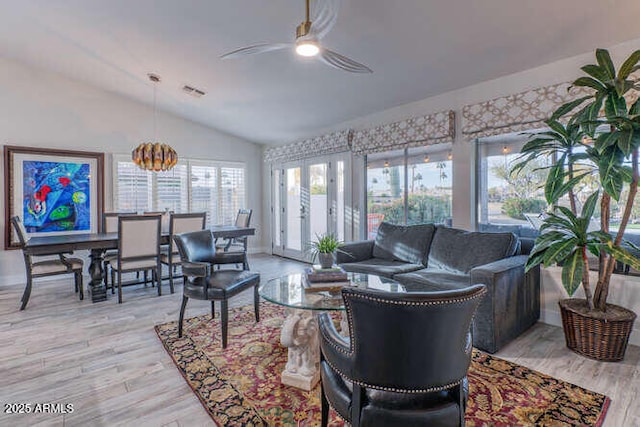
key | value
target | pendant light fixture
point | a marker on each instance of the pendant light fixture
(154, 156)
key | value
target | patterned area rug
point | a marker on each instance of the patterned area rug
(241, 385)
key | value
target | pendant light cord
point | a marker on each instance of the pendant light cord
(155, 79)
(155, 113)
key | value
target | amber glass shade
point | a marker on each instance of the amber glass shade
(154, 156)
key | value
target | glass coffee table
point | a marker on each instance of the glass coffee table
(300, 329)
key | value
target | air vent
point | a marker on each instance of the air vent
(190, 90)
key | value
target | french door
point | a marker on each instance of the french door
(309, 198)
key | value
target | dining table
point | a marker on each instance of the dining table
(99, 243)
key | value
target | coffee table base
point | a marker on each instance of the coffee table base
(306, 383)
(300, 334)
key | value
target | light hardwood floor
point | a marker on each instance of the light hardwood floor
(107, 361)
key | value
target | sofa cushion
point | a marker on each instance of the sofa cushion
(458, 251)
(408, 243)
(432, 279)
(380, 267)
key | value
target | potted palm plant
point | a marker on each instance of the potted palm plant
(597, 135)
(324, 249)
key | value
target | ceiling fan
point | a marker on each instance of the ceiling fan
(308, 36)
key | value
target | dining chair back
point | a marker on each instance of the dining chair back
(110, 225)
(139, 248)
(110, 220)
(184, 223)
(180, 223)
(166, 218)
(44, 266)
(235, 249)
(243, 218)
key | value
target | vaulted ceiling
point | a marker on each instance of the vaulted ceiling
(417, 48)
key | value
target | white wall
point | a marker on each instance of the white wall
(623, 291)
(40, 109)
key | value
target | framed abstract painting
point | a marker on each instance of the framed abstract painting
(54, 192)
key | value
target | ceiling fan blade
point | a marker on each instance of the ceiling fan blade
(341, 62)
(324, 14)
(255, 49)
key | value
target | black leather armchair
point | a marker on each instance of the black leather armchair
(406, 361)
(198, 255)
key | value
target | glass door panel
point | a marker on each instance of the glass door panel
(294, 209)
(340, 201)
(277, 210)
(318, 207)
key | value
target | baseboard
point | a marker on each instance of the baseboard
(12, 280)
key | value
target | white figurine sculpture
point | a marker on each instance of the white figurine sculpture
(300, 334)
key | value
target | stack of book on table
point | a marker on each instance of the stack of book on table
(325, 279)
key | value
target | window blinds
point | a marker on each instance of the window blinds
(192, 186)
(132, 188)
(204, 191)
(171, 190)
(232, 194)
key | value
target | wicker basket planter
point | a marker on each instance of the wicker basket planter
(600, 336)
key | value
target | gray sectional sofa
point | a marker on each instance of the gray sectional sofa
(433, 258)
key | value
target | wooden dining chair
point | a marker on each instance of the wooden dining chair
(234, 250)
(166, 218)
(110, 225)
(243, 219)
(43, 266)
(180, 223)
(138, 248)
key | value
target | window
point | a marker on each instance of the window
(191, 186)
(171, 190)
(385, 190)
(231, 193)
(410, 186)
(505, 198)
(204, 187)
(429, 186)
(133, 187)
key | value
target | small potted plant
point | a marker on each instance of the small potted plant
(324, 249)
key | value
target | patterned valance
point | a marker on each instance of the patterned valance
(434, 128)
(326, 144)
(516, 113)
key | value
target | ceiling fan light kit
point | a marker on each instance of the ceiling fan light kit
(307, 48)
(308, 36)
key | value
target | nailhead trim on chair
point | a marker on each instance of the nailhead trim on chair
(396, 390)
(410, 303)
(421, 303)
(336, 346)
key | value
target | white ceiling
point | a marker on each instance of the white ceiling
(417, 48)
